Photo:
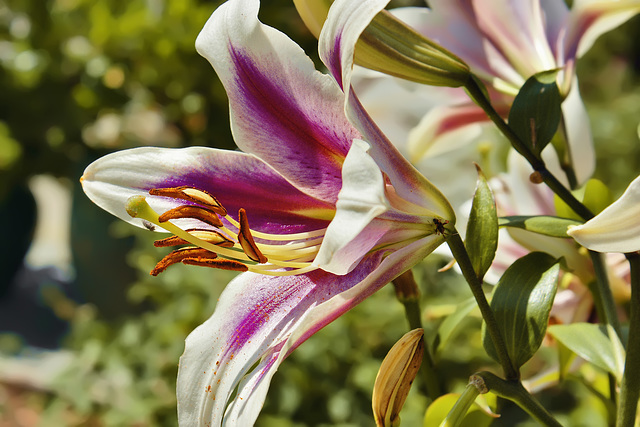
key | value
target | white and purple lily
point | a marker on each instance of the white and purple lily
(504, 42)
(315, 217)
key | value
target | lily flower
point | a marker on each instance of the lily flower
(318, 210)
(504, 42)
(616, 228)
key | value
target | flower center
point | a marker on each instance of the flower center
(224, 242)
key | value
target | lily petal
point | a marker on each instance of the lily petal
(220, 352)
(282, 109)
(361, 199)
(589, 19)
(236, 179)
(344, 25)
(578, 133)
(615, 229)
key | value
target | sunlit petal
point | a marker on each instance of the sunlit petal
(615, 229)
(282, 109)
(236, 179)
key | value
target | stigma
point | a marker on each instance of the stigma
(221, 241)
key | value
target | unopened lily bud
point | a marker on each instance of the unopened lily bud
(393, 382)
(313, 13)
(392, 47)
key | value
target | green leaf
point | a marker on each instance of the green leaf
(542, 224)
(448, 325)
(482, 229)
(596, 344)
(438, 411)
(535, 114)
(521, 302)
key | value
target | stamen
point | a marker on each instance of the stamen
(193, 195)
(180, 255)
(246, 239)
(197, 212)
(210, 236)
(288, 259)
(223, 264)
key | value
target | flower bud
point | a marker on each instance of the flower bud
(313, 13)
(392, 47)
(394, 379)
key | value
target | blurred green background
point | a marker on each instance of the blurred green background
(87, 337)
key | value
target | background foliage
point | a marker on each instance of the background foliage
(81, 78)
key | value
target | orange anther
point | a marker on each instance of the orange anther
(180, 255)
(246, 239)
(223, 264)
(197, 212)
(193, 195)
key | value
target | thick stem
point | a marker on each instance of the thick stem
(408, 294)
(602, 291)
(514, 391)
(630, 388)
(462, 257)
(474, 91)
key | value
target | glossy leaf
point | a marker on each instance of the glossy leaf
(536, 112)
(596, 344)
(521, 302)
(482, 229)
(542, 224)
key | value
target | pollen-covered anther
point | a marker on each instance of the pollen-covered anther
(180, 255)
(210, 236)
(223, 264)
(246, 239)
(187, 211)
(193, 195)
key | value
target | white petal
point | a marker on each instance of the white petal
(615, 229)
(578, 129)
(360, 200)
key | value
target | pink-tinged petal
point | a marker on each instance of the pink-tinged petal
(282, 109)
(615, 229)
(253, 319)
(361, 199)
(589, 19)
(517, 30)
(344, 24)
(343, 27)
(236, 179)
(578, 132)
(445, 129)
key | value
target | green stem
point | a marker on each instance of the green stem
(476, 93)
(602, 291)
(462, 257)
(514, 391)
(408, 294)
(630, 388)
